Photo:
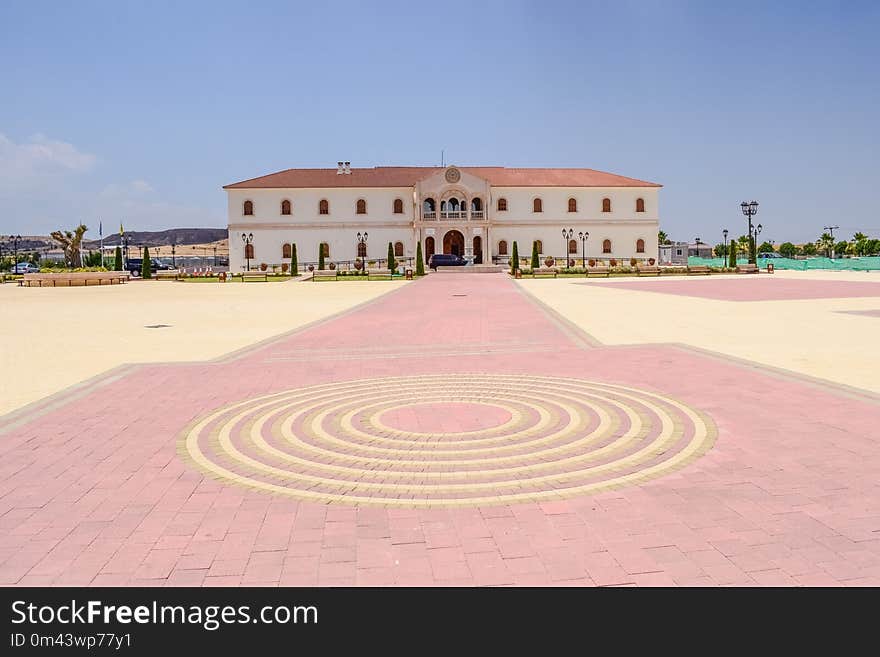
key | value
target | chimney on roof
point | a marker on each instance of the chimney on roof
(347, 168)
(339, 168)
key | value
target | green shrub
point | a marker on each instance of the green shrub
(392, 265)
(117, 264)
(536, 263)
(321, 255)
(732, 256)
(420, 263)
(294, 263)
(514, 259)
(147, 267)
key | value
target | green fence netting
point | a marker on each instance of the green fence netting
(837, 264)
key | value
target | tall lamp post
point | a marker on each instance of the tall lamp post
(750, 209)
(247, 239)
(362, 239)
(726, 254)
(584, 237)
(758, 229)
(125, 240)
(567, 235)
(15, 240)
(174, 255)
(831, 229)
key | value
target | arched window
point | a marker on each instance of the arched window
(398, 249)
(537, 205)
(361, 206)
(540, 246)
(398, 206)
(249, 251)
(285, 207)
(606, 246)
(248, 207)
(285, 251)
(502, 247)
(640, 205)
(326, 248)
(476, 204)
(640, 246)
(572, 205)
(323, 206)
(572, 246)
(429, 247)
(606, 205)
(362, 250)
(502, 205)
(429, 205)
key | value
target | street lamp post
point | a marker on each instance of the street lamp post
(174, 255)
(566, 235)
(247, 239)
(15, 240)
(750, 209)
(215, 256)
(758, 229)
(584, 236)
(362, 239)
(726, 254)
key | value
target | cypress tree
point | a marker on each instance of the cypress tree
(536, 262)
(732, 259)
(321, 255)
(117, 263)
(146, 267)
(392, 264)
(420, 263)
(514, 260)
(294, 264)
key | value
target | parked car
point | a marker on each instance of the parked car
(769, 255)
(445, 260)
(135, 265)
(25, 268)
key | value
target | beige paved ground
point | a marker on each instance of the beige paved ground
(808, 336)
(55, 337)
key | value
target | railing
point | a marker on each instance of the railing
(429, 216)
(476, 214)
(452, 215)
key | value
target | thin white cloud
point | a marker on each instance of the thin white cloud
(125, 190)
(32, 161)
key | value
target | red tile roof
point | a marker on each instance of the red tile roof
(408, 176)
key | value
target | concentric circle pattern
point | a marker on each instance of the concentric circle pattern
(423, 441)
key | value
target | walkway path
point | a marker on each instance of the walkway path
(451, 432)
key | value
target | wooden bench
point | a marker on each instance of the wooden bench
(167, 274)
(648, 269)
(600, 269)
(698, 270)
(379, 273)
(324, 275)
(251, 276)
(747, 269)
(544, 271)
(74, 277)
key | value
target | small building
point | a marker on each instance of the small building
(674, 253)
(699, 250)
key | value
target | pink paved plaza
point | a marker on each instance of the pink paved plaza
(452, 432)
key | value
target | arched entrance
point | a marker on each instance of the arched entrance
(453, 242)
(478, 250)
(429, 247)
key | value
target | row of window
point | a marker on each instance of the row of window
(431, 206)
(573, 246)
(324, 207)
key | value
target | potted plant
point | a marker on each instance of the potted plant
(358, 264)
(284, 268)
(311, 267)
(613, 262)
(651, 261)
(332, 265)
(549, 261)
(592, 262)
(263, 266)
(633, 262)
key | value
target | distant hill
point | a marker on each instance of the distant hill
(163, 237)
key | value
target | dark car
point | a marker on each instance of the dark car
(135, 265)
(445, 260)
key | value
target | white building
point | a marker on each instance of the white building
(477, 211)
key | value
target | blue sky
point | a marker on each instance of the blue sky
(142, 111)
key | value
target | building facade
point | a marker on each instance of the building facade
(476, 212)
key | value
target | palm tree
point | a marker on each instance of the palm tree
(826, 243)
(71, 241)
(662, 237)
